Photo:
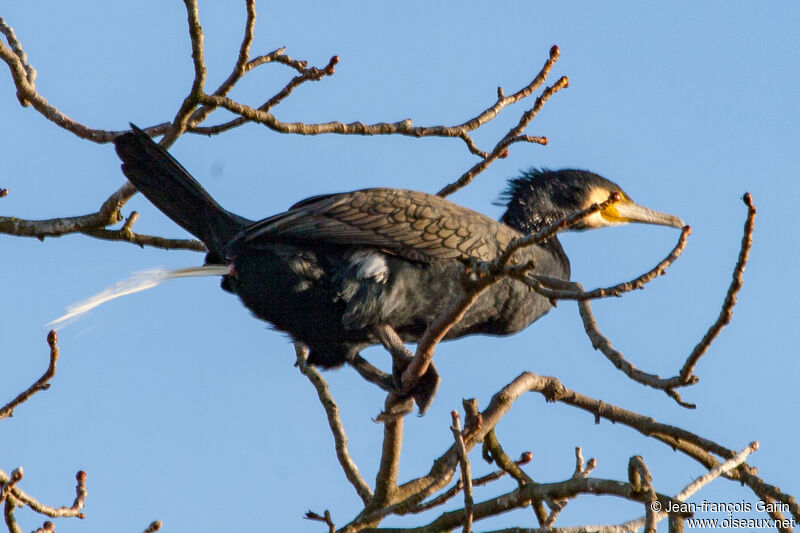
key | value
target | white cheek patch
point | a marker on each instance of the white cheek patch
(598, 195)
(370, 264)
(595, 220)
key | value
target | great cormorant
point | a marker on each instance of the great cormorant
(340, 272)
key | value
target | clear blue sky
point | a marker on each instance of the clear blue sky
(182, 407)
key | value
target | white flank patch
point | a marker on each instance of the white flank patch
(138, 282)
(370, 265)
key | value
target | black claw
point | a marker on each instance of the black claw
(425, 390)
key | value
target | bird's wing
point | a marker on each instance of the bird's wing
(414, 225)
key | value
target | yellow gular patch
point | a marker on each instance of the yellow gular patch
(608, 216)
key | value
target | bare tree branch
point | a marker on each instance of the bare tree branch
(153, 527)
(386, 480)
(47, 527)
(677, 438)
(730, 298)
(419, 494)
(498, 455)
(18, 497)
(181, 120)
(8, 514)
(325, 518)
(16, 47)
(466, 471)
(405, 127)
(561, 290)
(514, 135)
(476, 482)
(518, 498)
(689, 443)
(197, 106)
(693, 487)
(335, 423)
(641, 480)
(41, 384)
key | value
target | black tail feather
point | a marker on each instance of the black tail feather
(175, 192)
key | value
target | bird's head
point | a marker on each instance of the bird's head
(541, 197)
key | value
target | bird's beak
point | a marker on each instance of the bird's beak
(628, 211)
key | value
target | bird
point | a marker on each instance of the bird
(340, 272)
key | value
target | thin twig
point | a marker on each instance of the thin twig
(41, 384)
(306, 74)
(476, 482)
(639, 476)
(405, 127)
(324, 518)
(240, 68)
(545, 285)
(526, 91)
(501, 459)
(581, 471)
(181, 120)
(9, 484)
(142, 240)
(8, 514)
(466, 471)
(153, 527)
(334, 422)
(560, 289)
(730, 297)
(501, 148)
(47, 527)
(600, 342)
(22, 498)
(16, 47)
(549, 231)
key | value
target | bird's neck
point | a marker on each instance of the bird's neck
(526, 223)
(530, 224)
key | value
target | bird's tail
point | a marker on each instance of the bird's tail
(139, 282)
(175, 192)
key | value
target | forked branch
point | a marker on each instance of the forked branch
(430, 490)
(198, 105)
(703, 450)
(564, 290)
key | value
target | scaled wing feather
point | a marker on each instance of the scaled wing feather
(410, 224)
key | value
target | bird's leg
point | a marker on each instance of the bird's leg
(371, 373)
(401, 356)
(425, 389)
